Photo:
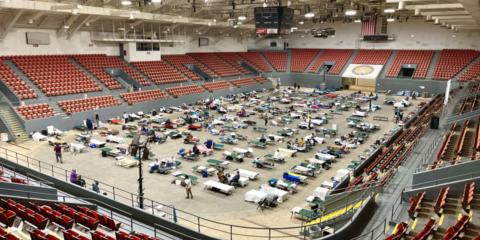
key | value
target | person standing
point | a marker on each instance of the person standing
(125, 117)
(266, 119)
(188, 187)
(96, 187)
(58, 153)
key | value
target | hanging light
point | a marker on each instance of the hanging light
(357, 21)
(350, 12)
(390, 19)
(309, 15)
(389, 10)
(126, 2)
(242, 18)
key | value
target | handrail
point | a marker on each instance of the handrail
(175, 215)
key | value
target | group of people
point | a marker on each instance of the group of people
(227, 178)
(78, 180)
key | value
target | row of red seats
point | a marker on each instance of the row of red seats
(468, 195)
(460, 143)
(256, 60)
(143, 96)
(454, 231)
(55, 216)
(218, 65)
(55, 75)
(33, 111)
(426, 230)
(452, 61)
(7, 217)
(27, 214)
(12, 179)
(441, 199)
(216, 85)
(96, 65)
(400, 231)
(370, 56)
(233, 59)
(19, 87)
(243, 82)
(37, 234)
(6, 235)
(422, 58)
(278, 59)
(301, 59)
(338, 56)
(473, 73)
(185, 90)
(160, 72)
(260, 80)
(179, 61)
(415, 204)
(85, 104)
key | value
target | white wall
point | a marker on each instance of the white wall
(410, 35)
(15, 43)
(221, 44)
(132, 55)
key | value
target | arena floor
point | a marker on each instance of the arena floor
(207, 204)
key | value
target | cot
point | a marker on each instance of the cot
(218, 187)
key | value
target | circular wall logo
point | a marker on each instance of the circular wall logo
(362, 70)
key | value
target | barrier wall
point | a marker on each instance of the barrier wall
(458, 172)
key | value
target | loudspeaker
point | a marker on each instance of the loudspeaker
(435, 122)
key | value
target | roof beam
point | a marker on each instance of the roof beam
(68, 23)
(444, 13)
(435, 6)
(10, 24)
(452, 17)
(79, 25)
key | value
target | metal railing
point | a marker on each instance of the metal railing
(202, 225)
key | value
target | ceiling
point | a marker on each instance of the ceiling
(214, 17)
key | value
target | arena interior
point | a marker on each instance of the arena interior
(239, 119)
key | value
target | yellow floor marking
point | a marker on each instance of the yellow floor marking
(414, 223)
(395, 229)
(471, 215)
(336, 213)
(441, 220)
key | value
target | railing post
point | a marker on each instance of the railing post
(53, 175)
(133, 204)
(28, 162)
(198, 223)
(39, 166)
(269, 233)
(231, 233)
(113, 192)
(66, 175)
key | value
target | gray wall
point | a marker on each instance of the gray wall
(28, 191)
(395, 85)
(461, 171)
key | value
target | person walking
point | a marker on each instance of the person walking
(58, 153)
(188, 187)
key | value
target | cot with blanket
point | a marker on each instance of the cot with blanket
(255, 196)
(114, 139)
(228, 139)
(260, 162)
(94, 143)
(218, 187)
(204, 150)
(282, 195)
(247, 173)
(229, 128)
(218, 163)
(304, 214)
(287, 152)
(77, 148)
(294, 177)
(260, 129)
(318, 196)
(218, 146)
(246, 152)
(306, 171)
(278, 158)
(109, 152)
(327, 184)
(203, 169)
(359, 113)
(324, 156)
(115, 121)
(180, 176)
(275, 138)
(127, 163)
(242, 182)
(280, 184)
(287, 132)
(233, 156)
(257, 143)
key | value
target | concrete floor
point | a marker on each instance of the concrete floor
(207, 204)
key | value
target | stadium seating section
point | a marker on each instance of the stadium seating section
(338, 56)
(445, 216)
(143, 96)
(244, 82)
(179, 62)
(216, 86)
(185, 90)
(160, 72)
(278, 59)
(473, 73)
(41, 110)
(98, 64)
(233, 59)
(301, 59)
(216, 64)
(256, 60)
(261, 80)
(374, 57)
(451, 62)
(22, 90)
(80, 105)
(55, 75)
(74, 222)
(422, 58)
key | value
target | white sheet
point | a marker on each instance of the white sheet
(282, 195)
(115, 139)
(287, 152)
(255, 196)
(247, 173)
(222, 187)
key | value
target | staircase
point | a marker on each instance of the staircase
(289, 60)
(268, 63)
(314, 60)
(389, 63)
(198, 71)
(12, 123)
(139, 72)
(433, 64)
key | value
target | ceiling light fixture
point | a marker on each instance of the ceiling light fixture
(126, 2)
(357, 21)
(242, 18)
(390, 19)
(301, 22)
(350, 12)
(389, 10)
(264, 4)
(156, 1)
(309, 15)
